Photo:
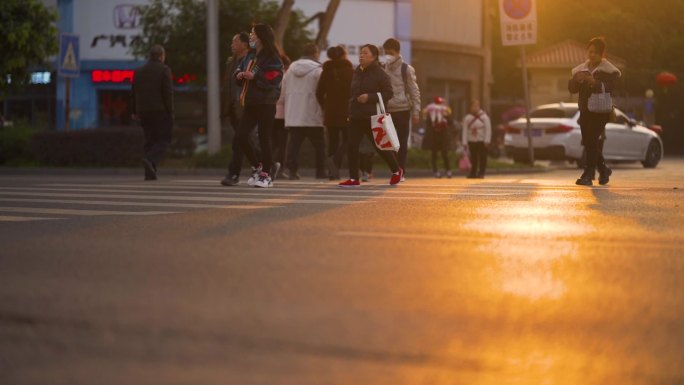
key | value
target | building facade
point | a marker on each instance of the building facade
(446, 41)
(549, 71)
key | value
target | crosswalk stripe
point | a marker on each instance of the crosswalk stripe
(186, 198)
(10, 218)
(41, 210)
(244, 192)
(144, 204)
(448, 184)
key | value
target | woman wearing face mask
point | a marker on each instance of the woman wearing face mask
(368, 80)
(593, 76)
(259, 75)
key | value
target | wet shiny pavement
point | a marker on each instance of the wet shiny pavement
(509, 280)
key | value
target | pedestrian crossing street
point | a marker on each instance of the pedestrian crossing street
(37, 201)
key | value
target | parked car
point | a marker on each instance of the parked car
(556, 136)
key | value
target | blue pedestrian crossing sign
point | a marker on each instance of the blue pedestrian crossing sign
(69, 56)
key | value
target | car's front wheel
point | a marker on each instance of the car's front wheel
(653, 154)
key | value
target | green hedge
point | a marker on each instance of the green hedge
(92, 147)
(15, 144)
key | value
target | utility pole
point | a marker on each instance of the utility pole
(213, 81)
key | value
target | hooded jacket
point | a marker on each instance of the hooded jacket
(605, 73)
(401, 101)
(369, 80)
(299, 94)
(333, 92)
(264, 88)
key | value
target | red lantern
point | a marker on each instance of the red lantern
(666, 79)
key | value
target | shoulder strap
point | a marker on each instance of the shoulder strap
(380, 106)
(475, 118)
(404, 78)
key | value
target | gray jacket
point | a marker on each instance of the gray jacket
(400, 101)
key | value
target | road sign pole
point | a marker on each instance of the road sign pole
(67, 103)
(523, 59)
(213, 97)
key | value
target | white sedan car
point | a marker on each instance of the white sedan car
(556, 136)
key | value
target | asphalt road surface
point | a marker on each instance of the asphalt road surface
(514, 279)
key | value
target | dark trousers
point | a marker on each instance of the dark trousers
(366, 162)
(357, 129)
(263, 116)
(478, 158)
(337, 149)
(279, 141)
(236, 154)
(402, 122)
(440, 144)
(593, 127)
(316, 136)
(157, 128)
(337, 136)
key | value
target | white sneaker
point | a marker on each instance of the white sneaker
(264, 181)
(255, 175)
(449, 174)
(403, 179)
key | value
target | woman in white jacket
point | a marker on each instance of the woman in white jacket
(477, 134)
(303, 113)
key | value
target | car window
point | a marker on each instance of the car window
(553, 113)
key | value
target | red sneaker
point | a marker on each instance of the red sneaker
(396, 177)
(350, 183)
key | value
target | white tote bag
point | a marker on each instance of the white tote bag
(384, 134)
(600, 102)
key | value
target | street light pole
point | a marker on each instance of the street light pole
(526, 86)
(213, 98)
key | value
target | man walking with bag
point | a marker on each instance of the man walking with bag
(405, 104)
(152, 103)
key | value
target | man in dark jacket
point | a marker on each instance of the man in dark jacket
(232, 108)
(152, 101)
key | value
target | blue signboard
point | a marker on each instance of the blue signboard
(69, 63)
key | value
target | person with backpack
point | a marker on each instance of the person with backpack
(437, 116)
(476, 135)
(405, 104)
